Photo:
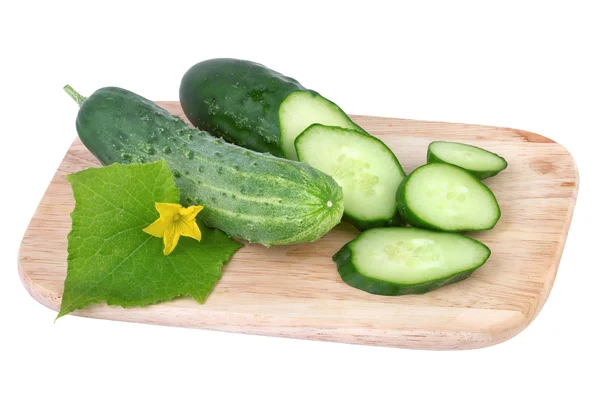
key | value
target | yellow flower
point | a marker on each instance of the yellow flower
(174, 221)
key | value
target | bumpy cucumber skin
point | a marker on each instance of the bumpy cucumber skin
(239, 101)
(351, 275)
(359, 223)
(246, 194)
(432, 158)
(414, 220)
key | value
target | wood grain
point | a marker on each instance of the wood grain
(295, 291)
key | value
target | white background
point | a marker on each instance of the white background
(532, 66)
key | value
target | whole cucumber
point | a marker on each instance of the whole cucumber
(246, 194)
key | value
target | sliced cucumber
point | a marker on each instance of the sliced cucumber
(253, 106)
(398, 260)
(479, 162)
(447, 198)
(299, 110)
(365, 168)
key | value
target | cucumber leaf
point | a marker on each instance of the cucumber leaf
(110, 258)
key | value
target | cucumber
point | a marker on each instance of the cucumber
(447, 198)
(400, 260)
(253, 106)
(249, 195)
(366, 169)
(481, 163)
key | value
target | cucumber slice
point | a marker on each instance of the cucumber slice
(398, 260)
(479, 162)
(366, 169)
(299, 110)
(447, 198)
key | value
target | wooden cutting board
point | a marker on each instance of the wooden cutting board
(295, 291)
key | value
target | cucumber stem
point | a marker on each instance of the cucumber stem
(74, 95)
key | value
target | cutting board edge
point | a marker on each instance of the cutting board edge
(561, 246)
(527, 136)
(404, 339)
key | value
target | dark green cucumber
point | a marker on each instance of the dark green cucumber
(396, 261)
(250, 195)
(366, 169)
(480, 162)
(253, 106)
(447, 198)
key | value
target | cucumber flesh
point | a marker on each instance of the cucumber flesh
(400, 260)
(479, 162)
(365, 168)
(299, 110)
(447, 198)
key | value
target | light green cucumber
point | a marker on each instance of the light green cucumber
(447, 198)
(366, 169)
(479, 162)
(398, 260)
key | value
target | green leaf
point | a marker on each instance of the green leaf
(112, 260)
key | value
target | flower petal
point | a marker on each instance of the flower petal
(174, 221)
(171, 238)
(167, 209)
(158, 227)
(190, 212)
(191, 229)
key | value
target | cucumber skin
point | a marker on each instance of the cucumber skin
(414, 220)
(239, 101)
(120, 126)
(363, 225)
(481, 175)
(350, 274)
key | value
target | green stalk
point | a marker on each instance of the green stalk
(74, 95)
